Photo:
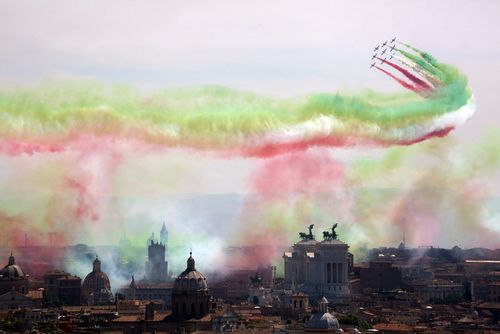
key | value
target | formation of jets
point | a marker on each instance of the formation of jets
(384, 47)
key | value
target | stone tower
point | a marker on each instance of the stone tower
(164, 236)
(156, 266)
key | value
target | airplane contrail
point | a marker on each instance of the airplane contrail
(417, 81)
(415, 67)
(400, 81)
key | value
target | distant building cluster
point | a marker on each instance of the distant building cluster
(322, 290)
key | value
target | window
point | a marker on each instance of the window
(328, 272)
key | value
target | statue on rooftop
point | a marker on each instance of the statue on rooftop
(307, 236)
(331, 235)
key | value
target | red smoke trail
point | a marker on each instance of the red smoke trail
(269, 150)
(286, 191)
(85, 206)
(417, 68)
(438, 133)
(17, 147)
(309, 172)
(402, 82)
(409, 75)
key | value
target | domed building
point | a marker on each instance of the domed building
(12, 277)
(96, 289)
(323, 321)
(190, 295)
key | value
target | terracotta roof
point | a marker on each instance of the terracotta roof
(392, 327)
(35, 294)
(128, 318)
(495, 306)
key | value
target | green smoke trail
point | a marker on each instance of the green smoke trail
(214, 118)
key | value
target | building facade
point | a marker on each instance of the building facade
(142, 291)
(380, 276)
(61, 288)
(318, 268)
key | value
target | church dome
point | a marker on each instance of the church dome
(12, 271)
(323, 321)
(190, 280)
(96, 283)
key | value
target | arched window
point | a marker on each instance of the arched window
(192, 309)
(201, 308)
(183, 308)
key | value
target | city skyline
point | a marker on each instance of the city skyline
(108, 59)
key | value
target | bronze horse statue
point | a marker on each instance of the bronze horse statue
(307, 236)
(331, 235)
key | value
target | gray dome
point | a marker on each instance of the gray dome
(323, 321)
(190, 280)
(12, 270)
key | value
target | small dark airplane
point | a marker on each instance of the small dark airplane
(393, 40)
(375, 50)
(375, 55)
(392, 48)
(372, 65)
(383, 60)
(391, 57)
(383, 51)
(385, 43)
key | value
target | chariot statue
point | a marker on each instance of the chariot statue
(327, 235)
(307, 236)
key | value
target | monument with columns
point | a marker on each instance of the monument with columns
(318, 268)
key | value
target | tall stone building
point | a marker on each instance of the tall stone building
(60, 287)
(156, 266)
(190, 296)
(318, 268)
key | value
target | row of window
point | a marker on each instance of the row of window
(334, 272)
(184, 309)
